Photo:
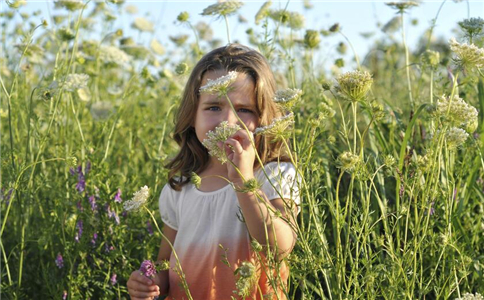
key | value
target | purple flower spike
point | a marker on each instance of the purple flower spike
(64, 295)
(79, 226)
(114, 279)
(117, 197)
(94, 238)
(59, 261)
(81, 184)
(148, 269)
(92, 201)
(149, 227)
(88, 167)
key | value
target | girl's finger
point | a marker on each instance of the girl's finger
(234, 145)
(143, 295)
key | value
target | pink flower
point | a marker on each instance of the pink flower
(148, 268)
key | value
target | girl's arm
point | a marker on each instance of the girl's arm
(258, 217)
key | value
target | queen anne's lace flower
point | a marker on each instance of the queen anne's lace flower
(139, 199)
(247, 277)
(287, 97)
(76, 81)
(142, 24)
(457, 112)
(111, 54)
(469, 296)
(219, 85)
(467, 56)
(403, 5)
(222, 8)
(355, 84)
(455, 137)
(221, 133)
(278, 129)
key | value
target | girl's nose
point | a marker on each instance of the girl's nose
(231, 118)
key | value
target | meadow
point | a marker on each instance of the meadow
(390, 152)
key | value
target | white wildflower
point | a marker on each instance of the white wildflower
(287, 97)
(142, 24)
(403, 5)
(157, 47)
(222, 8)
(111, 54)
(71, 5)
(469, 296)
(131, 9)
(136, 51)
(456, 111)
(278, 129)
(221, 133)
(263, 12)
(247, 277)
(455, 137)
(139, 199)
(220, 84)
(467, 56)
(76, 81)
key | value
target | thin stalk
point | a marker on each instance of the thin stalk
(407, 62)
(227, 27)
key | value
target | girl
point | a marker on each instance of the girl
(216, 228)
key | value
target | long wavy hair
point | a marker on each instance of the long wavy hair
(193, 156)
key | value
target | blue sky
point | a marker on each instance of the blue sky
(355, 17)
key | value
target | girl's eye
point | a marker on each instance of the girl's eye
(213, 108)
(245, 110)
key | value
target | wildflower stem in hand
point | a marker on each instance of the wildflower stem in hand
(178, 265)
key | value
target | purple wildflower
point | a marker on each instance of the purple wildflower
(81, 184)
(59, 261)
(79, 206)
(94, 238)
(113, 214)
(432, 209)
(114, 279)
(149, 227)
(108, 248)
(117, 197)
(79, 226)
(64, 295)
(148, 268)
(87, 168)
(92, 201)
(72, 171)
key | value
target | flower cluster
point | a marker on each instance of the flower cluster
(402, 6)
(455, 137)
(247, 278)
(113, 55)
(457, 112)
(249, 186)
(467, 56)
(278, 129)
(142, 24)
(139, 199)
(222, 8)
(74, 82)
(469, 296)
(472, 26)
(348, 161)
(219, 85)
(195, 180)
(287, 98)
(221, 133)
(430, 58)
(355, 84)
(148, 268)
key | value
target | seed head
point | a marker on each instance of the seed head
(181, 68)
(311, 39)
(287, 98)
(430, 58)
(355, 84)
(347, 161)
(195, 180)
(183, 17)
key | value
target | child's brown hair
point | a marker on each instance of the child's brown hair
(193, 156)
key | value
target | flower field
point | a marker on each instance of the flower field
(390, 151)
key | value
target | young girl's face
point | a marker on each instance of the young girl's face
(212, 110)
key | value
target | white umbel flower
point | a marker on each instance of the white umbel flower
(76, 81)
(468, 56)
(139, 199)
(111, 54)
(456, 111)
(142, 24)
(278, 129)
(469, 296)
(220, 134)
(287, 97)
(220, 84)
(455, 137)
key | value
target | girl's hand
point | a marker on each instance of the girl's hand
(240, 151)
(142, 287)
